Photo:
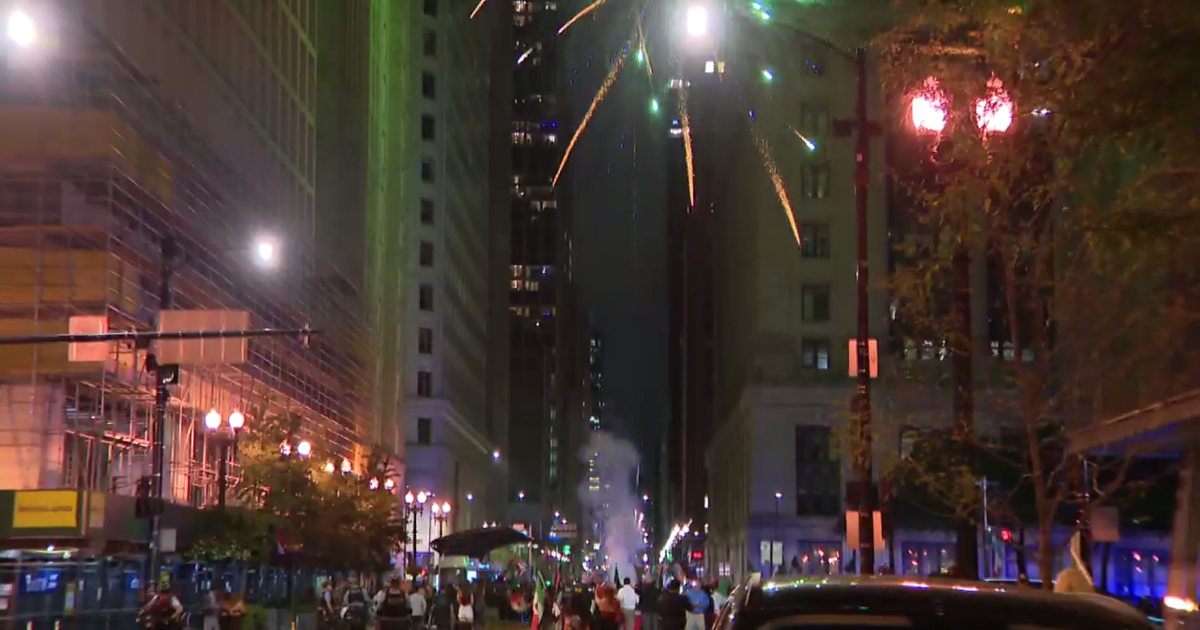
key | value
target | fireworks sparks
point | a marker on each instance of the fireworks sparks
(642, 54)
(586, 10)
(812, 146)
(477, 8)
(524, 56)
(687, 147)
(599, 98)
(772, 169)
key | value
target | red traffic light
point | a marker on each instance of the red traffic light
(697, 555)
(1006, 535)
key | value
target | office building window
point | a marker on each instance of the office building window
(426, 254)
(814, 240)
(425, 384)
(816, 181)
(429, 43)
(426, 212)
(818, 472)
(428, 127)
(424, 430)
(428, 85)
(431, 8)
(425, 297)
(427, 170)
(814, 302)
(814, 119)
(425, 341)
(814, 354)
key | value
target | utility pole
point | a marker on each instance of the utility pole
(164, 376)
(862, 396)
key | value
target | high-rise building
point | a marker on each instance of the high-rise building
(126, 122)
(456, 101)
(540, 268)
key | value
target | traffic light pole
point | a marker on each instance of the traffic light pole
(862, 394)
(164, 377)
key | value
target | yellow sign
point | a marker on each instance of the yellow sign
(45, 509)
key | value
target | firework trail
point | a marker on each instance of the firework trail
(524, 56)
(812, 146)
(599, 98)
(477, 8)
(642, 54)
(772, 169)
(586, 10)
(687, 146)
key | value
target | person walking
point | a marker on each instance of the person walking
(672, 608)
(699, 604)
(648, 603)
(417, 606)
(629, 601)
(392, 607)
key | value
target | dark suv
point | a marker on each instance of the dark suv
(886, 602)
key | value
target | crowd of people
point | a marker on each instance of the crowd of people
(690, 605)
(401, 605)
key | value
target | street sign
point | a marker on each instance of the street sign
(873, 349)
(91, 352)
(202, 351)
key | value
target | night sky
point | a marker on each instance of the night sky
(618, 192)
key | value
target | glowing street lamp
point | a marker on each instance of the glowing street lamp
(346, 468)
(929, 107)
(389, 485)
(329, 467)
(521, 495)
(21, 29)
(697, 21)
(496, 455)
(994, 112)
(304, 448)
(373, 483)
(224, 432)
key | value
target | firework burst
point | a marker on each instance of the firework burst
(685, 119)
(613, 73)
(764, 150)
(586, 10)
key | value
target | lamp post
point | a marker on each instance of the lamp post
(994, 114)
(441, 514)
(414, 506)
(778, 496)
(862, 128)
(224, 431)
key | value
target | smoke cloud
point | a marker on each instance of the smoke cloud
(611, 506)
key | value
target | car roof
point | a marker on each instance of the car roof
(898, 594)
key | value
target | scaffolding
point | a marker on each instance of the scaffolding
(96, 166)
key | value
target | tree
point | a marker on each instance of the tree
(1085, 210)
(326, 519)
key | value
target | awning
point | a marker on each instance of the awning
(1162, 426)
(477, 543)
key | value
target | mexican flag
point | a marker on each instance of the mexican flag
(539, 599)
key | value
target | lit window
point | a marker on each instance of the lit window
(522, 137)
(551, 138)
(522, 6)
(814, 354)
(710, 67)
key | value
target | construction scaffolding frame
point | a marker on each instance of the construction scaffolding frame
(96, 167)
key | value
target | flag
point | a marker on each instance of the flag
(539, 598)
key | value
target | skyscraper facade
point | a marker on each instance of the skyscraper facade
(540, 266)
(451, 208)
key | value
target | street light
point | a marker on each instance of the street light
(224, 432)
(697, 21)
(266, 251)
(496, 455)
(389, 485)
(21, 29)
(414, 506)
(521, 495)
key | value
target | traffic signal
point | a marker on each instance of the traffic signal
(1006, 535)
(145, 505)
